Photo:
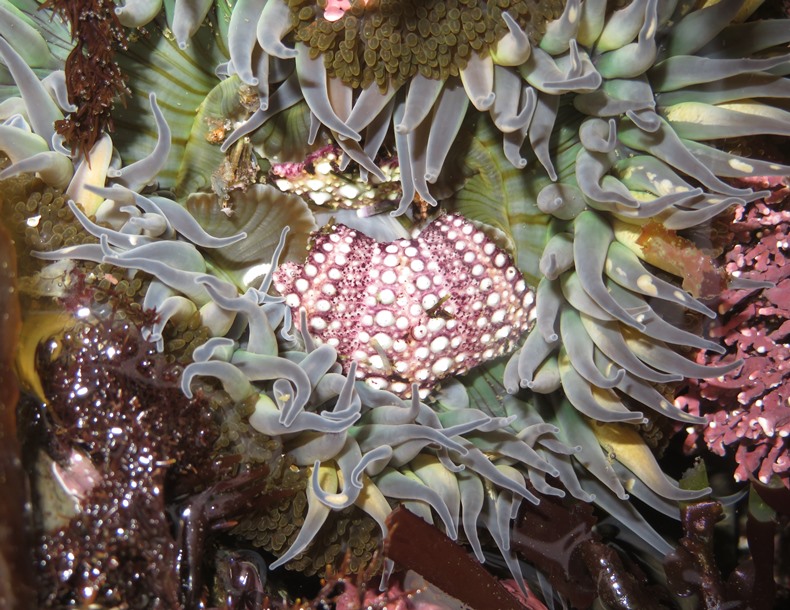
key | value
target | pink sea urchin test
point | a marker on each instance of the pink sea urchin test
(410, 311)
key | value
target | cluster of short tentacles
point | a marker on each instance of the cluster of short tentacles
(641, 88)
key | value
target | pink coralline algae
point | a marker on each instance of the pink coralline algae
(411, 311)
(749, 409)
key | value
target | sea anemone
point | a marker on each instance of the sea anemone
(578, 186)
(331, 424)
(415, 66)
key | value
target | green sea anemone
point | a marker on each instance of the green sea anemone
(577, 184)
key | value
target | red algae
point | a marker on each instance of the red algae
(417, 545)
(748, 410)
(121, 432)
(549, 535)
(93, 78)
(557, 537)
(694, 567)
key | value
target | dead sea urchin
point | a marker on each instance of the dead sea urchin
(412, 310)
